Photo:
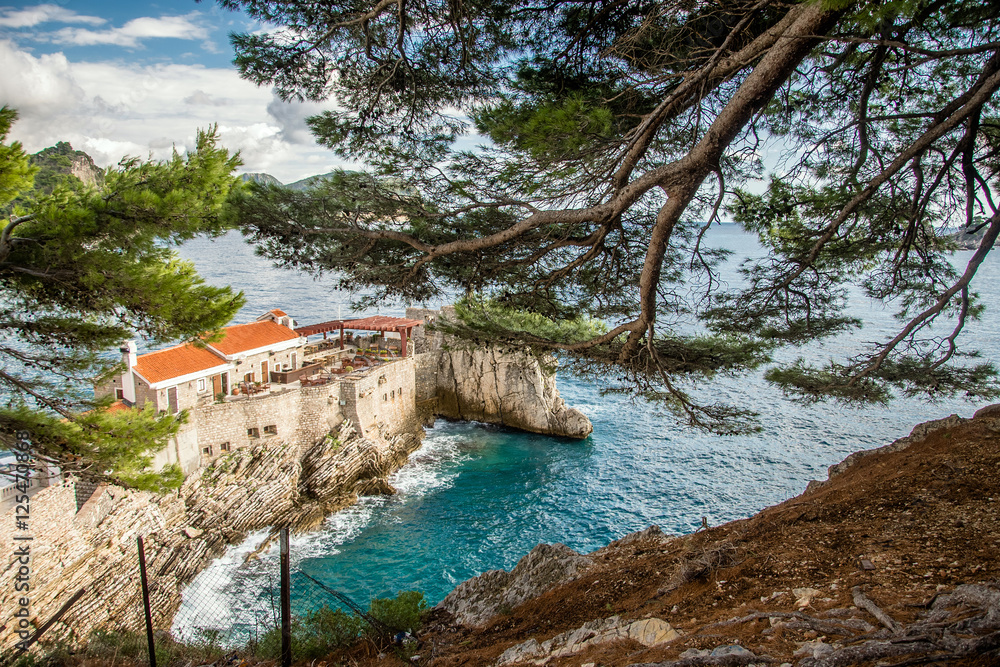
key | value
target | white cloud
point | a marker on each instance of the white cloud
(291, 117)
(111, 110)
(133, 32)
(203, 98)
(32, 16)
(37, 85)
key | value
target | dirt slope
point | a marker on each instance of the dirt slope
(895, 560)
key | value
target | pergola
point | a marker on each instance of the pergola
(379, 323)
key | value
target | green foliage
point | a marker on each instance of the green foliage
(84, 269)
(127, 646)
(315, 635)
(504, 324)
(319, 633)
(16, 172)
(553, 128)
(618, 132)
(402, 613)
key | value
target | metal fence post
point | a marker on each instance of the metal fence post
(145, 602)
(286, 603)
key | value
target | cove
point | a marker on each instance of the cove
(475, 498)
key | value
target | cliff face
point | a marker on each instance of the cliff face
(490, 384)
(892, 560)
(253, 488)
(61, 164)
(502, 387)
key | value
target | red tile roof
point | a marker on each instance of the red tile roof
(175, 362)
(246, 337)
(278, 312)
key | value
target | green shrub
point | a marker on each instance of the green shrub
(402, 612)
(315, 635)
(118, 645)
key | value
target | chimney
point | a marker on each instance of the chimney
(128, 350)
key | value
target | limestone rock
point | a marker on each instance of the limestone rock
(695, 653)
(254, 487)
(804, 596)
(647, 631)
(652, 632)
(510, 388)
(529, 650)
(732, 649)
(475, 601)
(813, 649)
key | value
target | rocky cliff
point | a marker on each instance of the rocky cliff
(504, 387)
(257, 487)
(62, 165)
(890, 561)
(490, 384)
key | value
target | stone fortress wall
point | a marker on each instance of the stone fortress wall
(375, 416)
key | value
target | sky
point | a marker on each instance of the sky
(139, 78)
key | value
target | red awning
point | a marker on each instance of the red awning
(380, 323)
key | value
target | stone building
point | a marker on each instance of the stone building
(219, 385)
(186, 376)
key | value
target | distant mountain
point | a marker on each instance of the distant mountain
(260, 177)
(267, 179)
(968, 241)
(308, 183)
(60, 164)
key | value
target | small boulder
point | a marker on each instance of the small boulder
(732, 649)
(804, 596)
(695, 653)
(521, 653)
(652, 632)
(814, 649)
(191, 533)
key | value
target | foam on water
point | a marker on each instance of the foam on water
(475, 498)
(216, 599)
(232, 590)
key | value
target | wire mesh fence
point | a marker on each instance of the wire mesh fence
(287, 615)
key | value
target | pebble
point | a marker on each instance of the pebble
(814, 649)
(695, 653)
(732, 649)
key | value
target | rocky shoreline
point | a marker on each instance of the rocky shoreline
(269, 485)
(262, 486)
(890, 561)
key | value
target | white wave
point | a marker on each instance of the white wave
(217, 600)
(234, 597)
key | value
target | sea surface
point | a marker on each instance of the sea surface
(476, 497)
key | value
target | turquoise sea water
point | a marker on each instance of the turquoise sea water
(476, 497)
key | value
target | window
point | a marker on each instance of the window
(119, 393)
(248, 377)
(271, 429)
(224, 447)
(207, 451)
(392, 394)
(385, 397)
(201, 385)
(293, 361)
(253, 433)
